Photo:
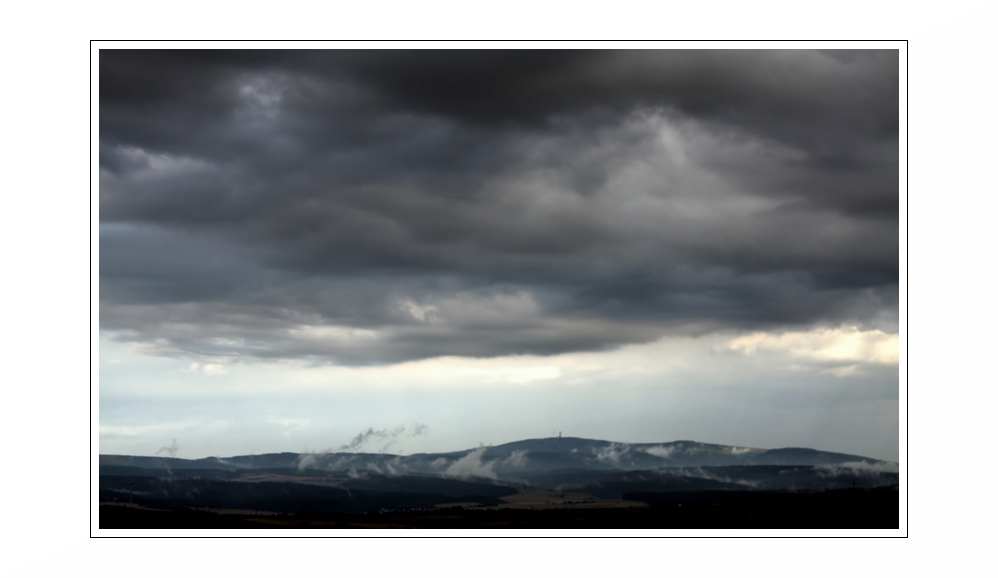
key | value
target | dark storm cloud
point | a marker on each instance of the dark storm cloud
(376, 206)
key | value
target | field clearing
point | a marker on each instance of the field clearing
(458, 505)
(283, 478)
(545, 500)
(241, 512)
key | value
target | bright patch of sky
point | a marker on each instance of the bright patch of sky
(757, 389)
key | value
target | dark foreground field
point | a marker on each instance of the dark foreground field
(834, 509)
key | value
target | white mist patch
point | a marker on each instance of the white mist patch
(472, 465)
(517, 459)
(611, 453)
(661, 451)
(859, 467)
(699, 472)
(395, 467)
(306, 461)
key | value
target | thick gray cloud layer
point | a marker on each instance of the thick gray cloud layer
(377, 206)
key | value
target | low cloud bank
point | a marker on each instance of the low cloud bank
(388, 436)
(472, 465)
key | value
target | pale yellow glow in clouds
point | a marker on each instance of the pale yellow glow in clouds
(842, 345)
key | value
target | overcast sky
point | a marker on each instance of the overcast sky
(449, 248)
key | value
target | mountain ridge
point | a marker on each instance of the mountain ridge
(487, 475)
(582, 451)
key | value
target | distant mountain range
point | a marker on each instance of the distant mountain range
(603, 470)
